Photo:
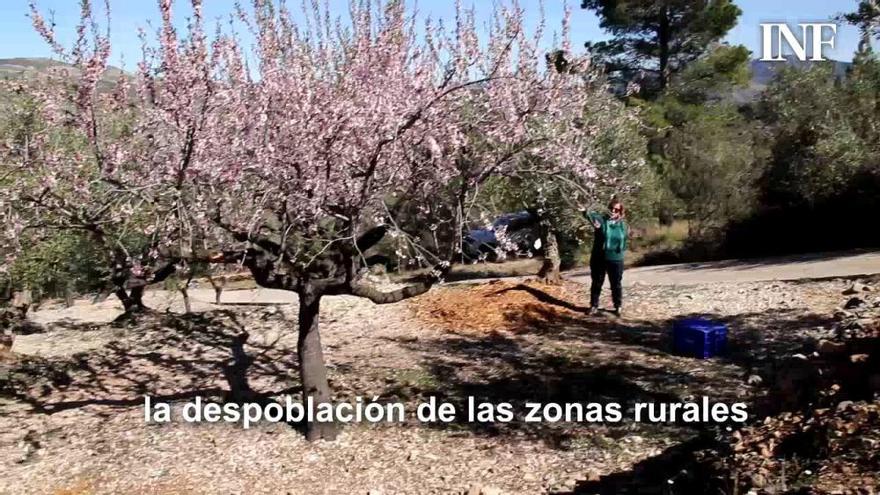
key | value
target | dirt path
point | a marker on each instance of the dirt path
(800, 267)
(803, 267)
(76, 424)
(808, 266)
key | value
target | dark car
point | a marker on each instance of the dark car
(521, 228)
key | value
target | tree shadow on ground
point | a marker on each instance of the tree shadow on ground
(553, 351)
(753, 337)
(168, 357)
(500, 369)
(679, 469)
(548, 356)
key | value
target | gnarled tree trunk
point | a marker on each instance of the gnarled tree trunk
(218, 283)
(187, 305)
(550, 269)
(332, 275)
(132, 300)
(313, 373)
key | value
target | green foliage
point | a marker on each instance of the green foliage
(867, 18)
(822, 183)
(66, 261)
(822, 131)
(713, 76)
(653, 40)
(709, 163)
(54, 253)
(620, 151)
(617, 150)
(705, 152)
(702, 151)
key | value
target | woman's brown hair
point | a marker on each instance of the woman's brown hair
(616, 202)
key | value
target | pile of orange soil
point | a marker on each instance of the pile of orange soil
(498, 305)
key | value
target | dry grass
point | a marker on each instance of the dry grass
(655, 239)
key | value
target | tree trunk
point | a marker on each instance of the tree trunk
(133, 300)
(68, 296)
(137, 298)
(22, 301)
(549, 272)
(313, 373)
(218, 283)
(187, 307)
(664, 40)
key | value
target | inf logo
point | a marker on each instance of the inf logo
(776, 35)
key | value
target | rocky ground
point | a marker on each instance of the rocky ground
(71, 415)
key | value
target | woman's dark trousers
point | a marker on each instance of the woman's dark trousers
(598, 269)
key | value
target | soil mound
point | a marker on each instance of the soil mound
(498, 306)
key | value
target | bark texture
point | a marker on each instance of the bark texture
(313, 372)
(550, 269)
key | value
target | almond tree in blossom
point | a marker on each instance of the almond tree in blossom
(106, 157)
(555, 193)
(295, 155)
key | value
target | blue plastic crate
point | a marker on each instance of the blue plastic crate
(699, 338)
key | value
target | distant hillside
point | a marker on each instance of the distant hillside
(764, 72)
(14, 68)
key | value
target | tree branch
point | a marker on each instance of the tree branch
(367, 291)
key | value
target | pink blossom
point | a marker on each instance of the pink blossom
(212, 140)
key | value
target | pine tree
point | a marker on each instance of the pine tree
(653, 40)
(867, 19)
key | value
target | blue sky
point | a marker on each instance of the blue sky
(17, 38)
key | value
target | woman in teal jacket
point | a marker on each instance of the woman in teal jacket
(609, 247)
